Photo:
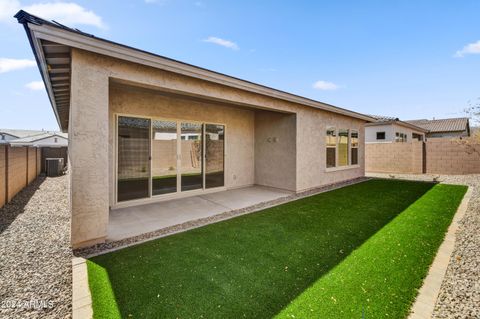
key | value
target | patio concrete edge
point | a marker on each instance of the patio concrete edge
(81, 297)
(424, 304)
(117, 245)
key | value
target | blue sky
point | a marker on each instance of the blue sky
(411, 59)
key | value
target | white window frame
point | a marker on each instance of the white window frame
(351, 146)
(349, 165)
(335, 147)
(178, 194)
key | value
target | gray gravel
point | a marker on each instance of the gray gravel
(460, 292)
(35, 264)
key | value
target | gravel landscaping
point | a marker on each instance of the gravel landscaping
(35, 266)
(460, 292)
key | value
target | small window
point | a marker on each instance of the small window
(380, 135)
(400, 137)
(354, 147)
(418, 137)
(3, 137)
(55, 140)
(331, 143)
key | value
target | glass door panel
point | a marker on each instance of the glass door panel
(133, 175)
(192, 156)
(164, 157)
(214, 155)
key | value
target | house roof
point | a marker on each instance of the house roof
(31, 137)
(51, 43)
(386, 120)
(443, 125)
(383, 118)
(20, 133)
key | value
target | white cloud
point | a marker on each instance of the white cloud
(7, 65)
(35, 85)
(7, 9)
(471, 48)
(68, 13)
(324, 85)
(222, 42)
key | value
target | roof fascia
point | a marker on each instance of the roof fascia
(41, 62)
(103, 47)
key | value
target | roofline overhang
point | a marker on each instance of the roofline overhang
(401, 123)
(41, 62)
(38, 29)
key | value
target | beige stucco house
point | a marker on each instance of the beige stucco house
(144, 128)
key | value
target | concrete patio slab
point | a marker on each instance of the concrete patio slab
(132, 221)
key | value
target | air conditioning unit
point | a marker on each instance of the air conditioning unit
(54, 166)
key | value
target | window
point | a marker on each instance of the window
(331, 143)
(380, 135)
(354, 147)
(342, 147)
(400, 137)
(418, 137)
(55, 140)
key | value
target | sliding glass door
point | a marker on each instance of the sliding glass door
(133, 176)
(214, 155)
(158, 157)
(164, 157)
(192, 156)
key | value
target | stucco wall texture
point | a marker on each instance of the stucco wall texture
(268, 141)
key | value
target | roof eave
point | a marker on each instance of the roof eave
(25, 19)
(38, 28)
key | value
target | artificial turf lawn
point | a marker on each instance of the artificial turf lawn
(362, 248)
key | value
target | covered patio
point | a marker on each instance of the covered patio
(136, 220)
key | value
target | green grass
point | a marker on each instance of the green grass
(364, 247)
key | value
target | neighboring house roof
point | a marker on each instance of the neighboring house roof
(443, 125)
(383, 118)
(20, 133)
(386, 120)
(51, 42)
(34, 138)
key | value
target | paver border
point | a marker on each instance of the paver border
(427, 295)
(81, 297)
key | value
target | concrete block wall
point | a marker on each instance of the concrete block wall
(394, 157)
(442, 156)
(453, 156)
(19, 166)
(17, 170)
(31, 164)
(3, 175)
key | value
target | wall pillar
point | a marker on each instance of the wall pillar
(88, 152)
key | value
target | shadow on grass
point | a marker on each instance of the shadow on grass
(252, 265)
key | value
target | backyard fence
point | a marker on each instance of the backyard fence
(19, 166)
(435, 156)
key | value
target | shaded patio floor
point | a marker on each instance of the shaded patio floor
(132, 221)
